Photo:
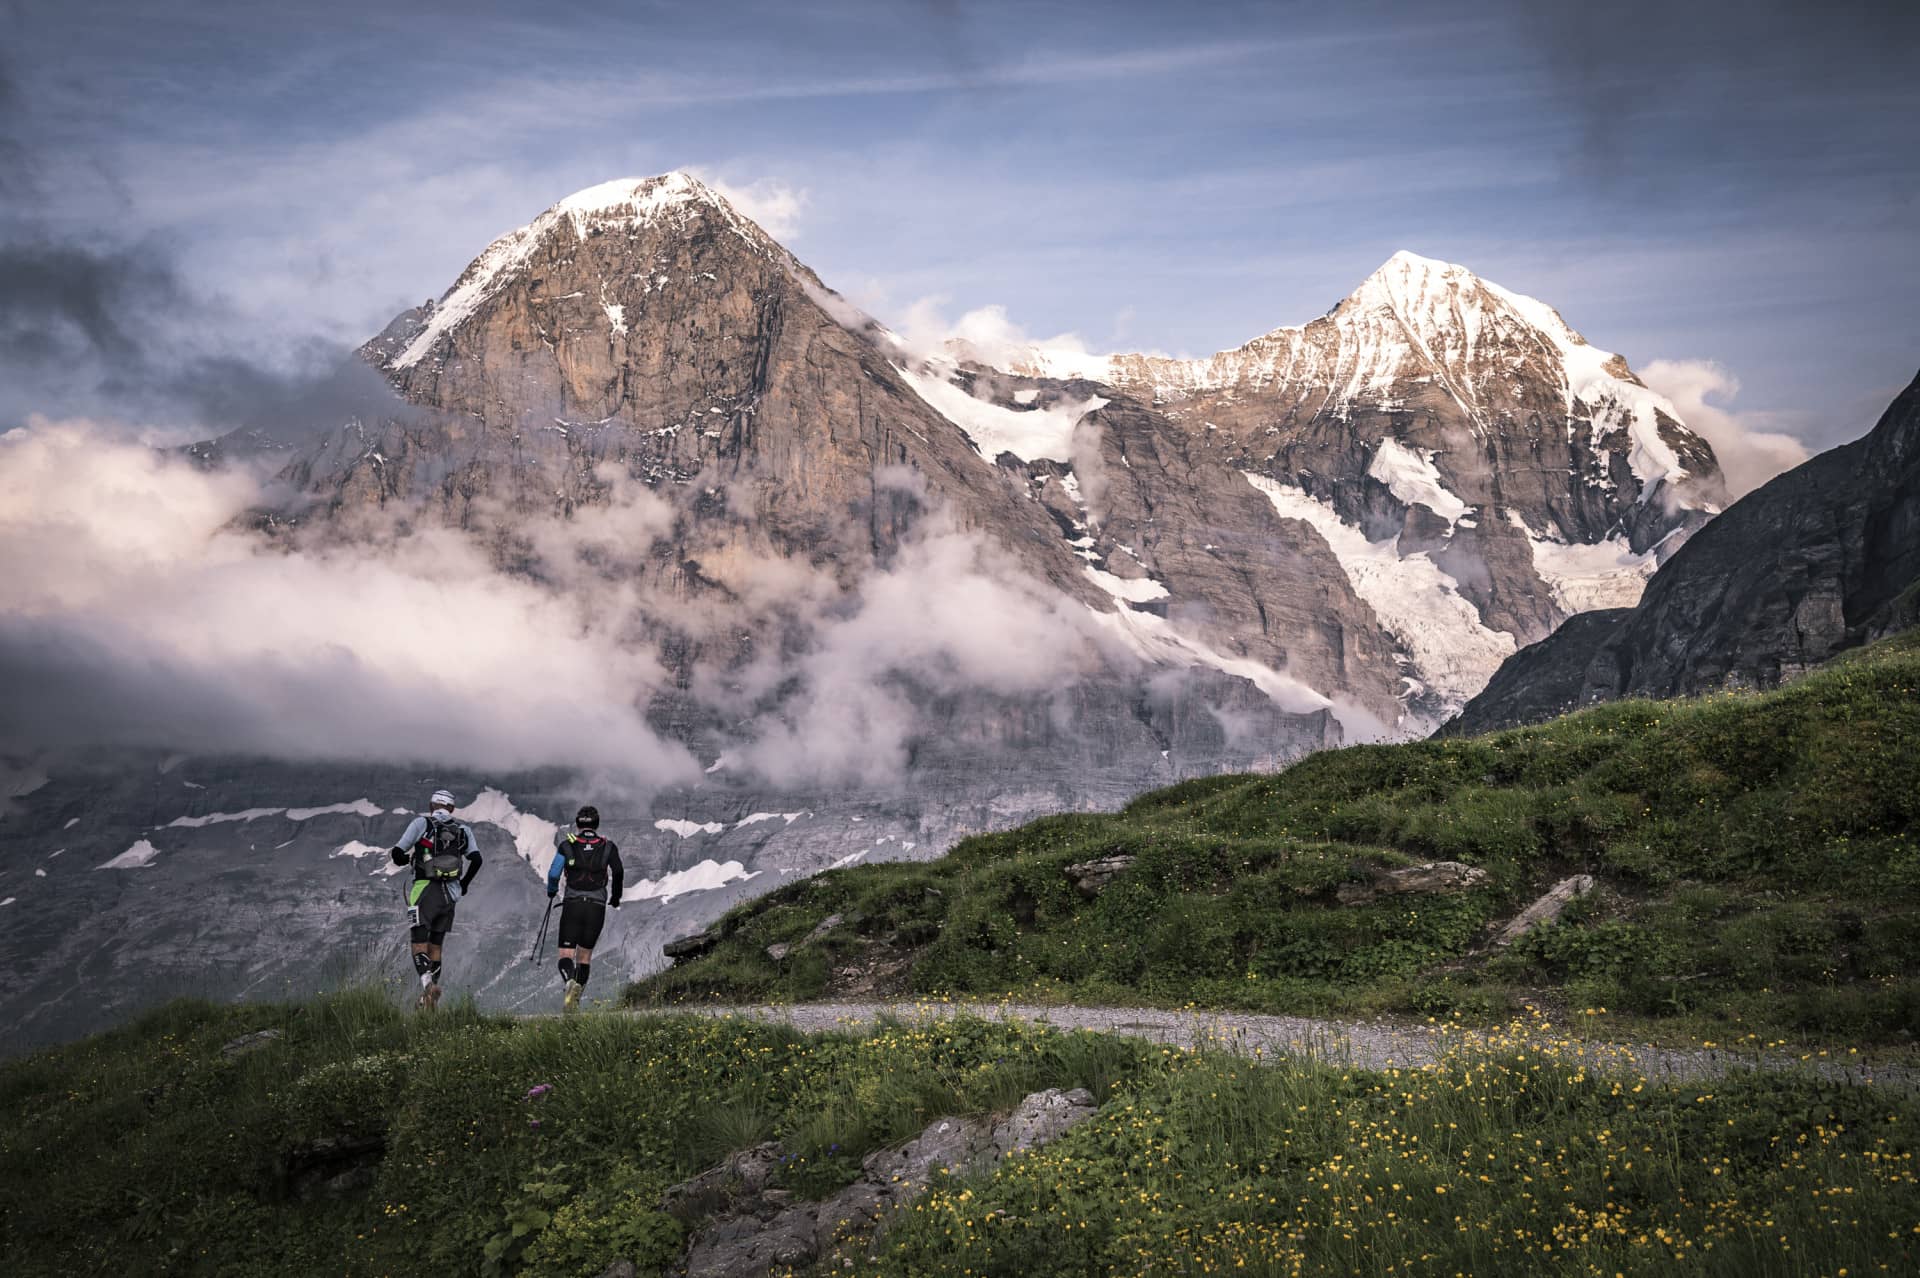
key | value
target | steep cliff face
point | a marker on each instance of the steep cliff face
(1823, 558)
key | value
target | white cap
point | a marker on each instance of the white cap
(441, 799)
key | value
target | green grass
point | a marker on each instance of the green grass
(146, 1151)
(1759, 861)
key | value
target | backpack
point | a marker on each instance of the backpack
(441, 851)
(586, 871)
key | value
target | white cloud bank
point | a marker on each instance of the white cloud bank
(1749, 453)
(133, 610)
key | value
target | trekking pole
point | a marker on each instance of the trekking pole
(541, 939)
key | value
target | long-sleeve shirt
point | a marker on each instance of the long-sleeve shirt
(616, 873)
(404, 851)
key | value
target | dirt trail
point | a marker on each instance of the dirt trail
(1362, 1044)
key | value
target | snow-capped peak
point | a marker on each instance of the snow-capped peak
(636, 198)
(677, 197)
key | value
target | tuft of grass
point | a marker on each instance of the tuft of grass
(1759, 856)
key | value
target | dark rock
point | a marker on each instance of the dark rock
(825, 926)
(688, 947)
(1092, 877)
(331, 1165)
(250, 1042)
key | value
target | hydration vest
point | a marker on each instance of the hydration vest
(441, 852)
(586, 871)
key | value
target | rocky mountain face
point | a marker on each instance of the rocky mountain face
(1491, 471)
(1823, 558)
(877, 598)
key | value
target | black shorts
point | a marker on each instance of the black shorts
(434, 902)
(580, 922)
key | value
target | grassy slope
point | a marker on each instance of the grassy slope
(148, 1151)
(1758, 857)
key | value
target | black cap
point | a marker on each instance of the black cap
(588, 818)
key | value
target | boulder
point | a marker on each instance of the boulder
(825, 926)
(331, 1165)
(1092, 877)
(1432, 877)
(1546, 909)
(690, 947)
(249, 1042)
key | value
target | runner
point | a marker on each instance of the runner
(435, 845)
(591, 866)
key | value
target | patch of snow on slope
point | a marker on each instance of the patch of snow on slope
(849, 859)
(1413, 478)
(1607, 574)
(359, 807)
(703, 877)
(1152, 638)
(687, 829)
(1138, 590)
(221, 818)
(1452, 650)
(757, 817)
(532, 835)
(139, 855)
(73, 821)
(1029, 434)
(355, 849)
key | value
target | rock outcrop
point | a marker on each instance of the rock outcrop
(1429, 878)
(1545, 910)
(753, 1228)
(1823, 558)
(1090, 878)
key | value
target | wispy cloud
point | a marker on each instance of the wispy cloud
(1750, 453)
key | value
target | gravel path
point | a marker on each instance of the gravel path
(1362, 1044)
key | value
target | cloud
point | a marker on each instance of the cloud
(874, 661)
(135, 611)
(1749, 453)
(776, 205)
(986, 333)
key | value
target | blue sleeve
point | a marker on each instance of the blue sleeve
(554, 870)
(415, 828)
(473, 844)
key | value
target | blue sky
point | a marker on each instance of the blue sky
(1725, 182)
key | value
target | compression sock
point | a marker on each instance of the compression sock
(566, 969)
(433, 971)
(423, 967)
(580, 971)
